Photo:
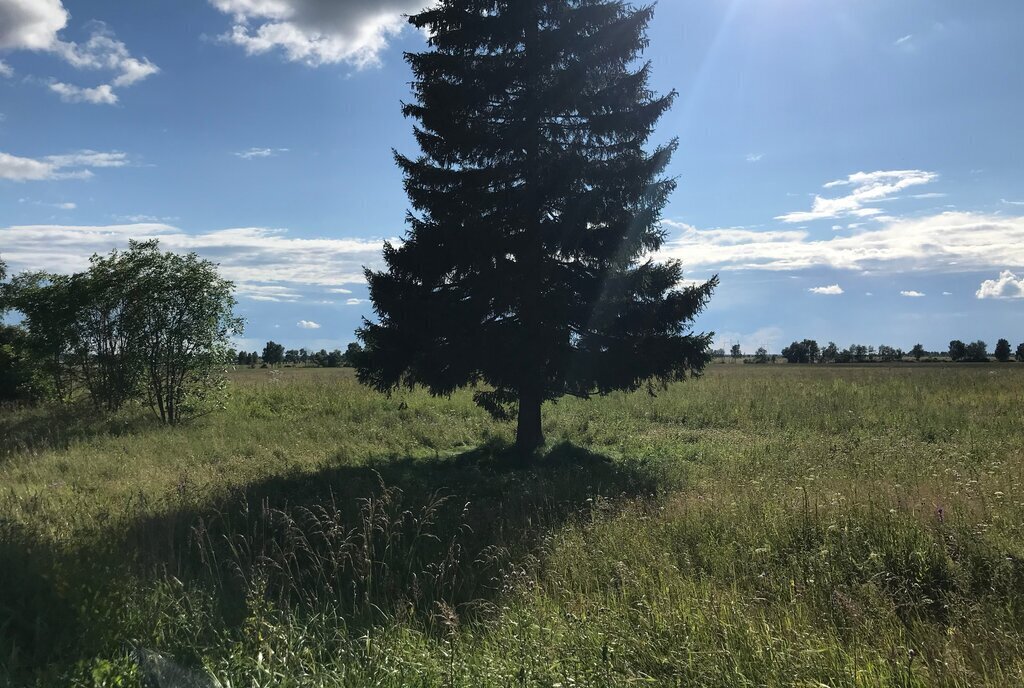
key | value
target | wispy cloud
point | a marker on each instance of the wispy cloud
(253, 153)
(265, 264)
(274, 293)
(62, 205)
(89, 158)
(945, 242)
(97, 95)
(1006, 202)
(912, 294)
(102, 52)
(904, 40)
(142, 219)
(21, 169)
(74, 166)
(830, 290)
(6, 71)
(769, 337)
(864, 188)
(36, 25)
(755, 157)
(1006, 286)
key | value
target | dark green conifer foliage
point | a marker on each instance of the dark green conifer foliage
(535, 207)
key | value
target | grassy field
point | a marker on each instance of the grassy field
(762, 526)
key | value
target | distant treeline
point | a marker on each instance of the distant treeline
(808, 351)
(274, 354)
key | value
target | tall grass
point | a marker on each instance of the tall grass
(773, 525)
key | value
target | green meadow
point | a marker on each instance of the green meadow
(761, 526)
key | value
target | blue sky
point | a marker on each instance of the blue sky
(853, 169)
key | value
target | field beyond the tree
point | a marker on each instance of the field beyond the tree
(763, 525)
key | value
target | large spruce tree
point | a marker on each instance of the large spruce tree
(536, 206)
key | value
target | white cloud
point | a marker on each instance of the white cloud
(318, 32)
(6, 71)
(260, 153)
(66, 205)
(30, 24)
(1007, 286)
(904, 39)
(308, 325)
(831, 290)
(930, 194)
(866, 212)
(35, 25)
(1006, 202)
(755, 157)
(866, 187)
(99, 95)
(945, 242)
(275, 293)
(90, 158)
(142, 219)
(24, 169)
(265, 264)
(947, 293)
(272, 265)
(74, 166)
(912, 294)
(104, 52)
(101, 52)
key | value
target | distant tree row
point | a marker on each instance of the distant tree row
(808, 351)
(978, 351)
(274, 354)
(736, 353)
(137, 325)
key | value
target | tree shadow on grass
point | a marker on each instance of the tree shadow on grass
(42, 428)
(31, 608)
(395, 539)
(386, 539)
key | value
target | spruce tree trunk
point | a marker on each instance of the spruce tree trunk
(529, 432)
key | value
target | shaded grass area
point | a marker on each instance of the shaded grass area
(761, 526)
(397, 538)
(34, 430)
